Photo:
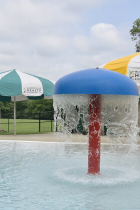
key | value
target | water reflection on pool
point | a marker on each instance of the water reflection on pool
(39, 176)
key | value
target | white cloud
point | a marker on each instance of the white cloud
(102, 37)
(26, 19)
(51, 45)
(79, 5)
(82, 43)
(106, 34)
(46, 37)
(105, 42)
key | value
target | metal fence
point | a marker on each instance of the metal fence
(27, 123)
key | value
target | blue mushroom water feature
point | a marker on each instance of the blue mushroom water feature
(91, 85)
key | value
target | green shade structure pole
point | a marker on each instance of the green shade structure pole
(14, 115)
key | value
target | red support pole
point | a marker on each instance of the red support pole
(94, 134)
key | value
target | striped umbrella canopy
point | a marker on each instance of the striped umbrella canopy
(129, 66)
(19, 86)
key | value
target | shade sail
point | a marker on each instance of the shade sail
(129, 66)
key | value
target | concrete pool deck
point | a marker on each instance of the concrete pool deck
(48, 137)
(52, 137)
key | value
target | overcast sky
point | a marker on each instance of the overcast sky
(51, 38)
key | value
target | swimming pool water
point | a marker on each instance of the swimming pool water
(39, 176)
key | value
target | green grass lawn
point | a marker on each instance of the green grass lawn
(25, 126)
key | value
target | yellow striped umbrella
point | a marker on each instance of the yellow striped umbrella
(129, 66)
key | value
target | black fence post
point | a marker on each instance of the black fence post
(8, 124)
(51, 125)
(39, 121)
(56, 125)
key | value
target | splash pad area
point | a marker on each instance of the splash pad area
(56, 175)
(53, 176)
(93, 97)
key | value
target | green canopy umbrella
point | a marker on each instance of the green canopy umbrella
(19, 86)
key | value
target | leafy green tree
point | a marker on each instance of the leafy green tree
(21, 106)
(135, 33)
(24, 109)
(7, 108)
(37, 106)
(40, 106)
(1, 105)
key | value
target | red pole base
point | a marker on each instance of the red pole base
(94, 134)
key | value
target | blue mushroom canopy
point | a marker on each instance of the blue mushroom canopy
(96, 81)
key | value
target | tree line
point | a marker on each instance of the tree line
(26, 107)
